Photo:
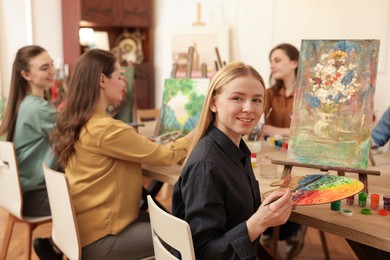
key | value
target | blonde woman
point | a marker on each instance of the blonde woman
(217, 193)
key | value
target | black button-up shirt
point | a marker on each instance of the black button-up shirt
(216, 193)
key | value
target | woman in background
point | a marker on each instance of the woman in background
(217, 193)
(280, 97)
(27, 122)
(102, 158)
(380, 135)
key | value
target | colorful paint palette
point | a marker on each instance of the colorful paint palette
(324, 190)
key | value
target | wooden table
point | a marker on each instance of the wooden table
(372, 230)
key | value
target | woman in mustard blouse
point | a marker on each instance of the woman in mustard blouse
(102, 158)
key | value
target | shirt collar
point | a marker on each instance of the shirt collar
(99, 113)
(282, 92)
(237, 154)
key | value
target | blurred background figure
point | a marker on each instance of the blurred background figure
(280, 96)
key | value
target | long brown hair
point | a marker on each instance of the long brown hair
(225, 75)
(293, 54)
(19, 88)
(83, 95)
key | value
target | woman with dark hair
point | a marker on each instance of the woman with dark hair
(217, 193)
(280, 97)
(102, 158)
(27, 122)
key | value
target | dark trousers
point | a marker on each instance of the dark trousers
(36, 203)
(286, 230)
(133, 242)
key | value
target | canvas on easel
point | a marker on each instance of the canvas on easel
(181, 105)
(333, 106)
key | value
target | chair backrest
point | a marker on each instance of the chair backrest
(10, 188)
(150, 113)
(64, 230)
(172, 230)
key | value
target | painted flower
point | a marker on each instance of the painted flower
(332, 82)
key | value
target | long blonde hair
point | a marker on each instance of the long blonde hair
(225, 75)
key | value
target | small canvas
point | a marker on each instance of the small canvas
(182, 103)
(333, 105)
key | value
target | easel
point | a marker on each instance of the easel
(340, 170)
(288, 165)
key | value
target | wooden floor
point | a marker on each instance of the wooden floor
(339, 249)
(16, 248)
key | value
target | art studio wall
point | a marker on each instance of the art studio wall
(255, 27)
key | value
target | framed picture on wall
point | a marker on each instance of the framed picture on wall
(204, 39)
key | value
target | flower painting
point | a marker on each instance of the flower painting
(333, 106)
(332, 82)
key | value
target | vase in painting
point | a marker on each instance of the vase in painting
(325, 126)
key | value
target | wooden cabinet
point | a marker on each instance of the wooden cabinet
(143, 78)
(100, 12)
(112, 16)
(125, 13)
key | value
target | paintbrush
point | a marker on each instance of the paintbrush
(254, 135)
(269, 113)
(300, 187)
(256, 132)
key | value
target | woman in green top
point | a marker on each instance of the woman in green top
(27, 122)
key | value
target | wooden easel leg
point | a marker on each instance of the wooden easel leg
(324, 244)
(372, 160)
(340, 173)
(364, 179)
(286, 171)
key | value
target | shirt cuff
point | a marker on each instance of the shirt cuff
(179, 144)
(241, 243)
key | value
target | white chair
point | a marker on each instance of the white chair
(11, 199)
(65, 233)
(172, 230)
